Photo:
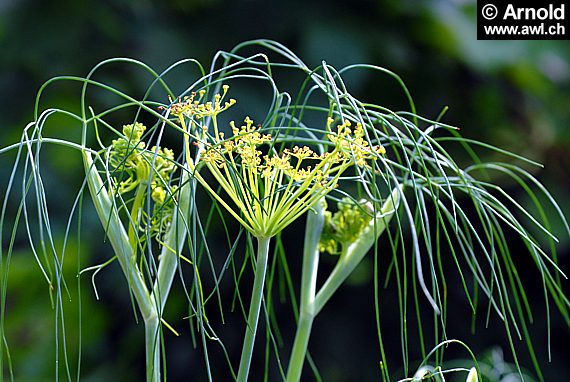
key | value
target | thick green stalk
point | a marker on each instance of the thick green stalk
(168, 263)
(313, 231)
(125, 254)
(173, 244)
(152, 348)
(254, 308)
(312, 304)
(118, 237)
(355, 252)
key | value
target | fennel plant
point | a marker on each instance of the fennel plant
(360, 173)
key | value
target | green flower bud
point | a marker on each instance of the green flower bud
(158, 195)
(135, 165)
(344, 226)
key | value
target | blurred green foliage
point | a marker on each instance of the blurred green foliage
(515, 94)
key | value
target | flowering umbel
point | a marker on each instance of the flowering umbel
(270, 191)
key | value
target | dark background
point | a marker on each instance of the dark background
(514, 94)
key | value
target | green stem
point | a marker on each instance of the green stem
(313, 231)
(356, 251)
(168, 263)
(107, 212)
(311, 303)
(125, 250)
(152, 347)
(300, 346)
(135, 218)
(254, 308)
(173, 244)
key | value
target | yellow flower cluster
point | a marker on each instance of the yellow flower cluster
(191, 107)
(243, 144)
(352, 144)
